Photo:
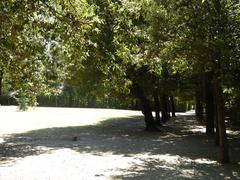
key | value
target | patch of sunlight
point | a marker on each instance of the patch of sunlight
(13, 121)
(233, 132)
(191, 112)
(194, 128)
(169, 159)
(166, 158)
(2, 140)
(188, 173)
(165, 167)
(236, 174)
(225, 177)
(199, 161)
(64, 163)
(176, 160)
(171, 135)
(200, 129)
(204, 161)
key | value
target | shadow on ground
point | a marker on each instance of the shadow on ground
(176, 151)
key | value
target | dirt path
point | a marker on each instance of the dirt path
(38, 145)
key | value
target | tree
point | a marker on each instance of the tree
(210, 46)
(27, 50)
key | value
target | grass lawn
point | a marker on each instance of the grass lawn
(109, 144)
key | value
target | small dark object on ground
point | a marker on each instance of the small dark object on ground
(74, 138)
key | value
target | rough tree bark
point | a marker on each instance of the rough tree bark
(172, 106)
(217, 132)
(71, 98)
(157, 110)
(209, 105)
(218, 90)
(168, 107)
(1, 84)
(146, 107)
(223, 141)
(216, 122)
(1, 80)
(164, 107)
(199, 107)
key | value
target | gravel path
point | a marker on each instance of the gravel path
(108, 144)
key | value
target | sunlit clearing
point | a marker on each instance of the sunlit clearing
(177, 160)
(106, 151)
(176, 165)
(66, 163)
(13, 121)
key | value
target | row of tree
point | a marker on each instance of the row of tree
(145, 49)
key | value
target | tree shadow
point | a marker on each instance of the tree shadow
(181, 168)
(192, 154)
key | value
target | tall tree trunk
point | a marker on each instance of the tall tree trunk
(217, 134)
(199, 108)
(216, 121)
(168, 108)
(70, 99)
(91, 101)
(1, 81)
(157, 110)
(164, 108)
(146, 107)
(223, 141)
(2, 101)
(209, 105)
(173, 106)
